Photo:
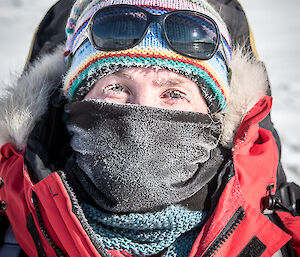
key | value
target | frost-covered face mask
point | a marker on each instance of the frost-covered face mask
(138, 158)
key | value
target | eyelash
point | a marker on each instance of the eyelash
(112, 87)
(172, 96)
(114, 90)
(179, 96)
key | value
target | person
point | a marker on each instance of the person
(141, 137)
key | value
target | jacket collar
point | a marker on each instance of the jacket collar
(237, 222)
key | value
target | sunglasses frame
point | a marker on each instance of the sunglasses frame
(152, 18)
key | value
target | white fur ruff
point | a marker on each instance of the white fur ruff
(23, 103)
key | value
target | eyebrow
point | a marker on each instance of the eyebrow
(170, 81)
(123, 73)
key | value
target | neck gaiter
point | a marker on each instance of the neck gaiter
(133, 158)
(170, 232)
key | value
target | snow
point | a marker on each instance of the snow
(276, 28)
(18, 21)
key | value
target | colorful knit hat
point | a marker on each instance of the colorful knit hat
(89, 65)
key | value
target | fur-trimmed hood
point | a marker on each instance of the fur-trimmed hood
(24, 102)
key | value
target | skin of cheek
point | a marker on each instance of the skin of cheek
(145, 86)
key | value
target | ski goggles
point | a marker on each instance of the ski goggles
(120, 27)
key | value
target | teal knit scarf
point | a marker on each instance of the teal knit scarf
(171, 231)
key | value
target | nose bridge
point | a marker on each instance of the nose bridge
(145, 96)
(145, 90)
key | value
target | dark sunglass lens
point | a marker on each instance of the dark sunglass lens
(118, 28)
(191, 34)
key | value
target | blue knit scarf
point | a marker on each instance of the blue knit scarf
(172, 230)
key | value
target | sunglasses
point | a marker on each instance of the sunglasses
(119, 27)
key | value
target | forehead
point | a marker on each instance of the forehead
(158, 75)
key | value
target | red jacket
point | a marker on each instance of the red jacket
(236, 227)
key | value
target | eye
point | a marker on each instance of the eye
(117, 93)
(114, 88)
(174, 95)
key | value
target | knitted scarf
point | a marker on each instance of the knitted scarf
(171, 231)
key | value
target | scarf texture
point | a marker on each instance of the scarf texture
(134, 158)
(171, 231)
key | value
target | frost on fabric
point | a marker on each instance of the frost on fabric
(133, 152)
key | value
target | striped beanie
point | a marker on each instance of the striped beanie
(89, 65)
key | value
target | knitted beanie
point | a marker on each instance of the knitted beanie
(89, 65)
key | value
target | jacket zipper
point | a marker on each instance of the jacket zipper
(56, 249)
(233, 223)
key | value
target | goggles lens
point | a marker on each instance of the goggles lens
(117, 28)
(191, 34)
(120, 27)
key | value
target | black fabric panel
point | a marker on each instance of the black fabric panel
(254, 248)
(290, 195)
(48, 145)
(287, 250)
(35, 165)
(35, 236)
(235, 19)
(51, 31)
(10, 247)
(23, 254)
(10, 250)
(4, 224)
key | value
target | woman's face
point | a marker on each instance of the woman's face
(150, 87)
